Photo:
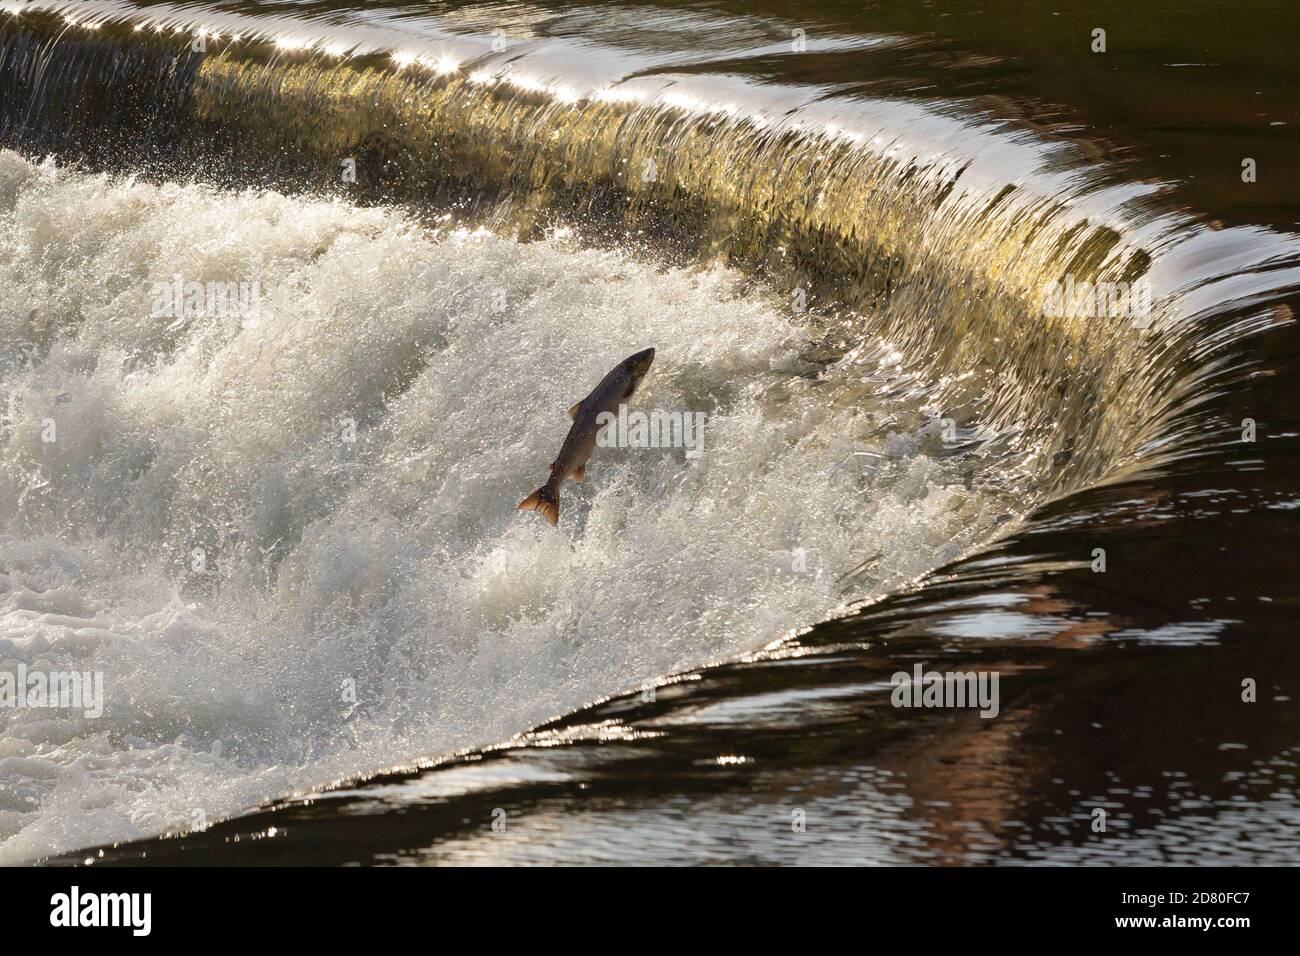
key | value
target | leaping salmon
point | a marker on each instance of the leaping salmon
(614, 388)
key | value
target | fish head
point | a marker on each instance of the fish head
(637, 365)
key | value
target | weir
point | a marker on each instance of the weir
(891, 223)
(285, 531)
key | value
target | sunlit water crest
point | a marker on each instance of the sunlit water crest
(843, 268)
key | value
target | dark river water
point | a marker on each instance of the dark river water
(842, 226)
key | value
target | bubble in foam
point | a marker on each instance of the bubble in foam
(371, 595)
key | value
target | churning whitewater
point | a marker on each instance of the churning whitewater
(284, 530)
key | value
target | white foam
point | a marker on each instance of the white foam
(397, 562)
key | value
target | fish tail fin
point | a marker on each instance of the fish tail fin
(545, 499)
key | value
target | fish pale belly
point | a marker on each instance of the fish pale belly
(581, 440)
(578, 446)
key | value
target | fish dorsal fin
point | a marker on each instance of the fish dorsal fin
(581, 473)
(573, 412)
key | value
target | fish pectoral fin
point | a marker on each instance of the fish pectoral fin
(573, 412)
(581, 473)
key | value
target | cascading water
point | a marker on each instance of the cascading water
(284, 530)
(395, 565)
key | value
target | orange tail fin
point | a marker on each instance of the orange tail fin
(545, 499)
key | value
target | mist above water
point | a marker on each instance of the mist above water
(369, 601)
(361, 602)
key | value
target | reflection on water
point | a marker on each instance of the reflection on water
(919, 172)
(752, 748)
